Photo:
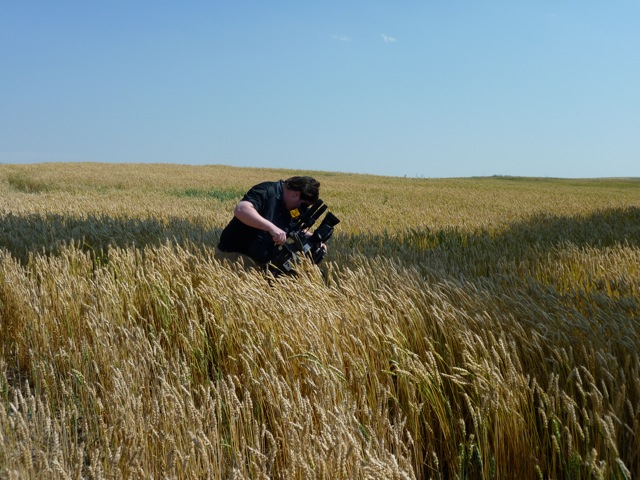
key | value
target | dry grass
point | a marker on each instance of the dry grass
(464, 328)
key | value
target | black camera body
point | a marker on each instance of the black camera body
(301, 242)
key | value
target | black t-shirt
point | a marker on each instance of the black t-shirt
(267, 199)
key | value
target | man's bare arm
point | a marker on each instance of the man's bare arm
(247, 214)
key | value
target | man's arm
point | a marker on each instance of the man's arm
(247, 214)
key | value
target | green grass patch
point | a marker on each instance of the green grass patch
(23, 183)
(220, 194)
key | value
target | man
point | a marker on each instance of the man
(260, 219)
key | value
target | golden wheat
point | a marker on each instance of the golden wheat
(467, 328)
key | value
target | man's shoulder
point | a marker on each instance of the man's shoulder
(265, 188)
(268, 185)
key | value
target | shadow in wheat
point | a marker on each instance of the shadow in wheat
(47, 233)
(459, 252)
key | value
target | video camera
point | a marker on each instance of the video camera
(302, 243)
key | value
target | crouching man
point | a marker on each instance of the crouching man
(261, 217)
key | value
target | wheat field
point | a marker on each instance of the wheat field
(459, 329)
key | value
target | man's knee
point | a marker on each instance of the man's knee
(235, 257)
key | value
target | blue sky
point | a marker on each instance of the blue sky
(431, 88)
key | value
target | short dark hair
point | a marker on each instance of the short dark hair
(308, 187)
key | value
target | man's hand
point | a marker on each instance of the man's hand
(279, 236)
